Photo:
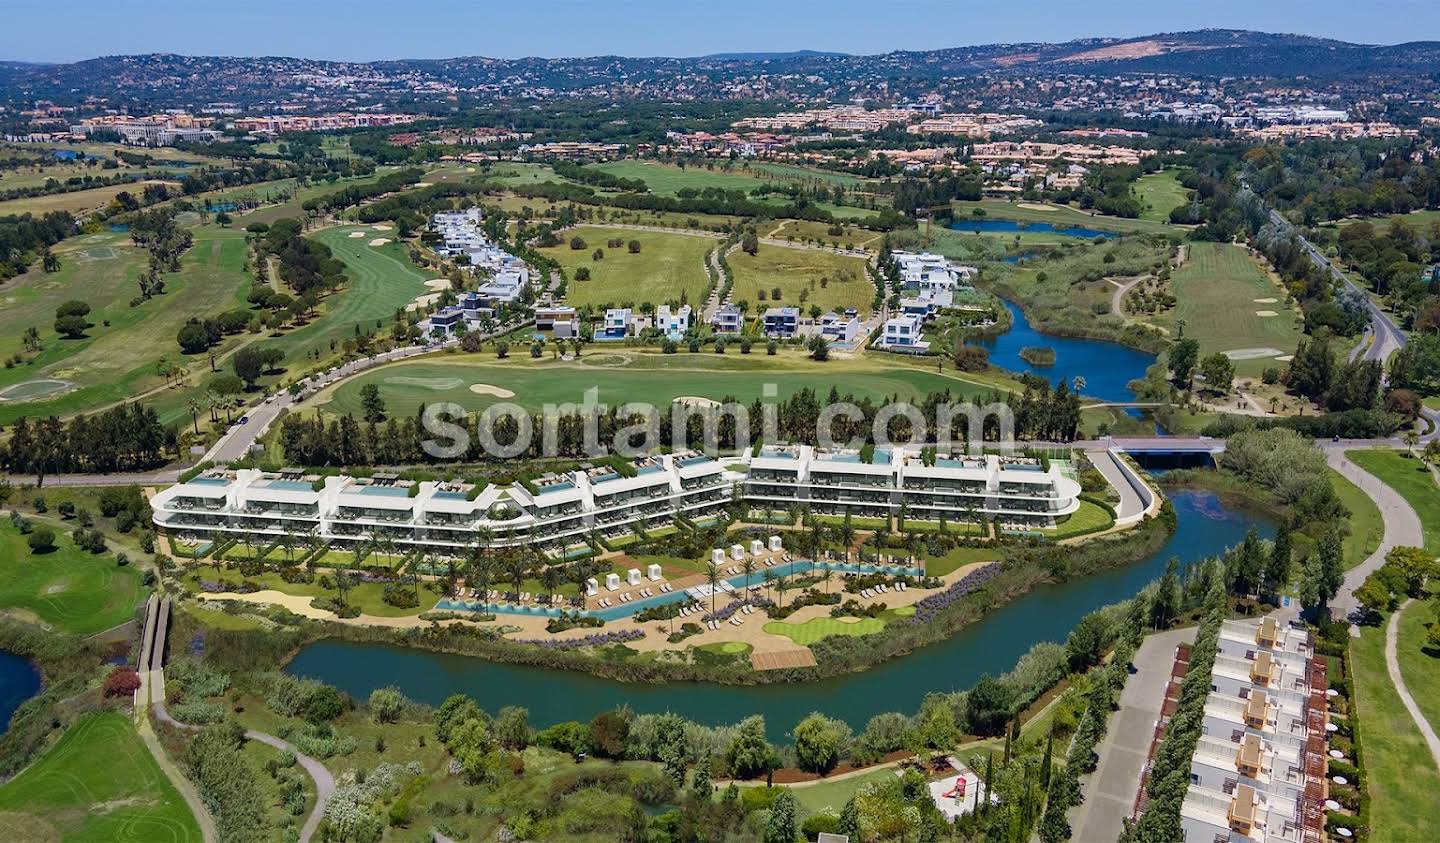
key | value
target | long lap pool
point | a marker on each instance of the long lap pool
(1206, 526)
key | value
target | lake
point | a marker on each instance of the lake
(19, 681)
(989, 226)
(1108, 367)
(992, 645)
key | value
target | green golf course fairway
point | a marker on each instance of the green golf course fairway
(97, 784)
(72, 589)
(653, 378)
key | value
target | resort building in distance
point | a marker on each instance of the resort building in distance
(559, 511)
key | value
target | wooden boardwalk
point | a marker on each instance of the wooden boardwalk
(785, 658)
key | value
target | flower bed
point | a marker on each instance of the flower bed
(929, 607)
(598, 639)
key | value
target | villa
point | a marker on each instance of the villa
(673, 323)
(617, 324)
(905, 334)
(781, 321)
(728, 319)
(933, 278)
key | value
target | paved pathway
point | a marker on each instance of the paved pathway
(1402, 526)
(186, 788)
(1110, 790)
(1392, 666)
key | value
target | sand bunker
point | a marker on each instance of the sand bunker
(356, 235)
(1251, 353)
(383, 227)
(469, 169)
(33, 389)
(424, 184)
(696, 401)
(437, 384)
(491, 389)
(1265, 301)
(438, 284)
(1031, 206)
(1266, 313)
(1285, 358)
(379, 241)
(423, 301)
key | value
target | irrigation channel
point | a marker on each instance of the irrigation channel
(1206, 526)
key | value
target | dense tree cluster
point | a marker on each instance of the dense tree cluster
(305, 265)
(124, 438)
(24, 237)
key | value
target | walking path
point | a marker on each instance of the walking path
(1402, 526)
(1110, 791)
(1392, 666)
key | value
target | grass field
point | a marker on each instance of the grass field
(1419, 666)
(71, 589)
(1404, 787)
(1366, 527)
(1160, 193)
(1215, 294)
(1413, 480)
(99, 783)
(75, 202)
(117, 361)
(1089, 518)
(667, 267)
(629, 376)
(813, 630)
(665, 180)
(366, 595)
(798, 274)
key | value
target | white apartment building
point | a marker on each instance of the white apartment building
(1018, 491)
(444, 517)
(933, 278)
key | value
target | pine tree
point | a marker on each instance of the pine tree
(850, 820)
(700, 786)
(1277, 567)
(781, 826)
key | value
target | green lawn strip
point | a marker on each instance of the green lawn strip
(365, 595)
(1161, 193)
(727, 648)
(666, 267)
(98, 783)
(69, 588)
(1216, 292)
(1412, 479)
(1404, 786)
(656, 378)
(957, 558)
(1059, 215)
(665, 180)
(798, 273)
(813, 630)
(1419, 665)
(1089, 518)
(1366, 528)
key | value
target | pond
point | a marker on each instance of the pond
(989, 226)
(19, 681)
(1108, 367)
(992, 645)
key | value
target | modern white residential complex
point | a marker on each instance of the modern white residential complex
(560, 510)
(1019, 492)
(554, 511)
(1258, 772)
(932, 278)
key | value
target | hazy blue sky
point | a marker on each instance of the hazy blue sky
(372, 29)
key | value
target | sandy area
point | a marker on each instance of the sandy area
(1266, 313)
(438, 284)
(424, 184)
(1251, 353)
(423, 301)
(1031, 206)
(491, 389)
(1265, 301)
(379, 241)
(356, 235)
(1285, 358)
(383, 227)
(696, 401)
(469, 169)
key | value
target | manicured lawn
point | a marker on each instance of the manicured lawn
(959, 557)
(629, 376)
(1060, 215)
(813, 630)
(1404, 786)
(98, 783)
(798, 274)
(831, 796)
(1161, 193)
(1419, 666)
(74, 590)
(1089, 518)
(727, 648)
(667, 267)
(116, 361)
(1412, 480)
(1367, 528)
(1216, 292)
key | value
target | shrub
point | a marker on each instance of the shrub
(122, 681)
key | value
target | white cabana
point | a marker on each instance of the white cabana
(592, 587)
(737, 552)
(757, 547)
(632, 576)
(775, 544)
(612, 581)
(654, 573)
(717, 556)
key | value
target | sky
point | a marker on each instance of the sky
(367, 30)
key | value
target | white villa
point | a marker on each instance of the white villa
(934, 278)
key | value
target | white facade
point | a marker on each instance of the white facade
(673, 323)
(904, 333)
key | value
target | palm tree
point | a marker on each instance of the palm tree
(551, 578)
(712, 576)
(782, 586)
(748, 566)
(343, 583)
(1078, 384)
(287, 541)
(769, 577)
(517, 566)
(826, 577)
(195, 405)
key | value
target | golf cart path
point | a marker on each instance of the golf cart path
(1392, 667)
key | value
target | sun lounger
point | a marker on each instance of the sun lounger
(864, 592)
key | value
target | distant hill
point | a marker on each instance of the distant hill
(169, 79)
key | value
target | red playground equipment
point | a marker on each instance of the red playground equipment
(957, 792)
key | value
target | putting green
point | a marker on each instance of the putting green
(438, 384)
(813, 630)
(30, 390)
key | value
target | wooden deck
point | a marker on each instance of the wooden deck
(801, 657)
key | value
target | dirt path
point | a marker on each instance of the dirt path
(1117, 300)
(1392, 666)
